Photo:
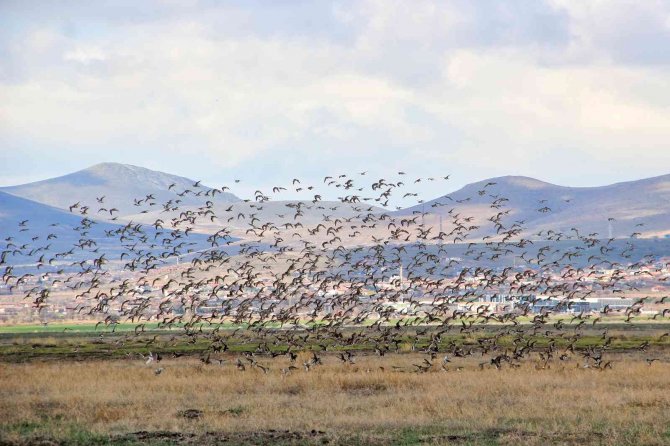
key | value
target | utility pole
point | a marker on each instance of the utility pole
(609, 228)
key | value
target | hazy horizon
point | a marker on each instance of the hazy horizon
(351, 173)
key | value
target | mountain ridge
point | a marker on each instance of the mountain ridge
(120, 184)
(619, 209)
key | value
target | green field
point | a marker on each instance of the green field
(88, 327)
(83, 341)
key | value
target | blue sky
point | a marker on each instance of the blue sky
(571, 92)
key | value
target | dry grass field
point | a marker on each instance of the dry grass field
(375, 401)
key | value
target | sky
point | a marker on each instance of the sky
(573, 92)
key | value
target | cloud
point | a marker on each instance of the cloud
(481, 88)
(623, 32)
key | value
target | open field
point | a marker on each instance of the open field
(25, 345)
(124, 402)
(79, 388)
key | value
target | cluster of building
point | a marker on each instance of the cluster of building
(396, 295)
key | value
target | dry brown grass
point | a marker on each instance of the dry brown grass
(627, 404)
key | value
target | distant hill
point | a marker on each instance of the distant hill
(14, 210)
(278, 212)
(25, 222)
(621, 209)
(29, 230)
(120, 184)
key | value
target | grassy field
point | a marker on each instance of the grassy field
(80, 388)
(370, 402)
(86, 344)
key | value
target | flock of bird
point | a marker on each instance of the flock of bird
(270, 275)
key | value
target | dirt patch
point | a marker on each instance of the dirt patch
(265, 437)
(293, 389)
(316, 437)
(653, 404)
(364, 388)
